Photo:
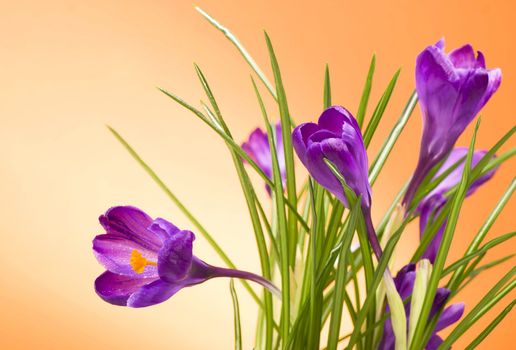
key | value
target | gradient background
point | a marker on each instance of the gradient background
(69, 67)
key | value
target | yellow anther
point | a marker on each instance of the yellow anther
(138, 261)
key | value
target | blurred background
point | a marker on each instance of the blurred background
(68, 68)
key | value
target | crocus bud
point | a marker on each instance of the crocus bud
(424, 269)
(258, 148)
(404, 282)
(393, 225)
(452, 89)
(148, 261)
(336, 137)
(398, 316)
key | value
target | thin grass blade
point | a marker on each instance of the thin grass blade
(236, 316)
(389, 143)
(286, 130)
(249, 59)
(327, 88)
(365, 93)
(380, 109)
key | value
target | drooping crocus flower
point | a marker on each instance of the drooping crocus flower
(432, 204)
(404, 282)
(337, 138)
(148, 261)
(452, 89)
(258, 148)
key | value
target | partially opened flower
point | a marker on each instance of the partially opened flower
(404, 282)
(452, 89)
(258, 148)
(148, 260)
(432, 204)
(336, 137)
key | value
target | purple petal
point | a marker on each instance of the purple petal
(388, 339)
(322, 135)
(300, 137)
(176, 257)
(441, 296)
(404, 280)
(434, 342)
(114, 253)
(450, 315)
(131, 223)
(429, 210)
(334, 119)
(440, 44)
(163, 229)
(116, 289)
(495, 79)
(481, 61)
(455, 176)
(321, 173)
(257, 147)
(463, 57)
(153, 293)
(349, 165)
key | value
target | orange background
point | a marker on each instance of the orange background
(68, 68)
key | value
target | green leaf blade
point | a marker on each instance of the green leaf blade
(366, 92)
(236, 316)
(380, 109)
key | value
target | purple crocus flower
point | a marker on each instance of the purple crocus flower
(452, 89)
(404, 282)
(337, 137)
(258, 148)
(432, 204)
(148, 260)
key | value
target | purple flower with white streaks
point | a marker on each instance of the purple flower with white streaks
(404, 282)
(336, 137)
(148, 261)
(432, 204)
(258, 148)
(452, 89)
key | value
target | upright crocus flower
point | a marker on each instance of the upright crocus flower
(432, 204)
(148, 260)
(337, 137)
(404, 282)
(452, 89)
(258, 148)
